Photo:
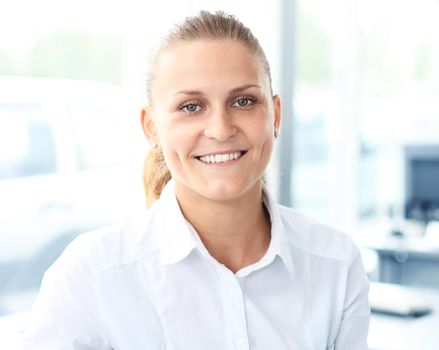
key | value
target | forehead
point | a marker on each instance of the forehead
(205, 64)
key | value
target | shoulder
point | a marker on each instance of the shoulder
(119, 244)
(315, 238)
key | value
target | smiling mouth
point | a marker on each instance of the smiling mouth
(221, 158)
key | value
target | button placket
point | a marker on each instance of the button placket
(234, 311)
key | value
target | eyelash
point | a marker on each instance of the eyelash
(189, 103)
(182, 107)
(248, 98)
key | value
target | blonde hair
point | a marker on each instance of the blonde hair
(203, 26)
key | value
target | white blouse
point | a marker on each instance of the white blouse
(151, 284)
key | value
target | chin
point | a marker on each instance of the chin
(217, 189)
(226, 191)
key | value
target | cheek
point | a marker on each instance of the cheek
(177, 141)
(261, 131)
(261, 134)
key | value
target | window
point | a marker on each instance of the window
(366, 84)
(26, 141)
(99, 136)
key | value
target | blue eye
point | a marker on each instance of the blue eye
(190, 107)
(244, 102)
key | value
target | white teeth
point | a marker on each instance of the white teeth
(220, 158)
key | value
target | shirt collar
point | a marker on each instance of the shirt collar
(175, 239)
(279, 244)
(178, 238)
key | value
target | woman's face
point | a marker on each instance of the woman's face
(213, 116)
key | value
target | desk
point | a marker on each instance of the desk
(411, 261)
(398, 333)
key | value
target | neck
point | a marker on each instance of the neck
(236, 232)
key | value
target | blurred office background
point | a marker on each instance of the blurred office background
(359, 145)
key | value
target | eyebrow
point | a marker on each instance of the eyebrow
(234, 90)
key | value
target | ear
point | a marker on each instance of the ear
(277, 112)
(148, 125)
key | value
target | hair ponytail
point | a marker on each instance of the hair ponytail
(155, 175)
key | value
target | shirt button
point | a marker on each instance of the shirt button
(233, 291)
(240, 343)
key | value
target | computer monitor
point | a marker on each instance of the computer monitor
(422, 182)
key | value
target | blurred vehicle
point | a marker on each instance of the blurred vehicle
(69, 162)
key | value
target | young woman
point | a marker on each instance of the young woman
(214, 263)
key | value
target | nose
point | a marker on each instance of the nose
(220, 125)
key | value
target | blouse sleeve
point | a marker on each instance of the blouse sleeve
(352, 334)
(66, 313)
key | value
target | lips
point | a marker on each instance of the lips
(220, 157)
